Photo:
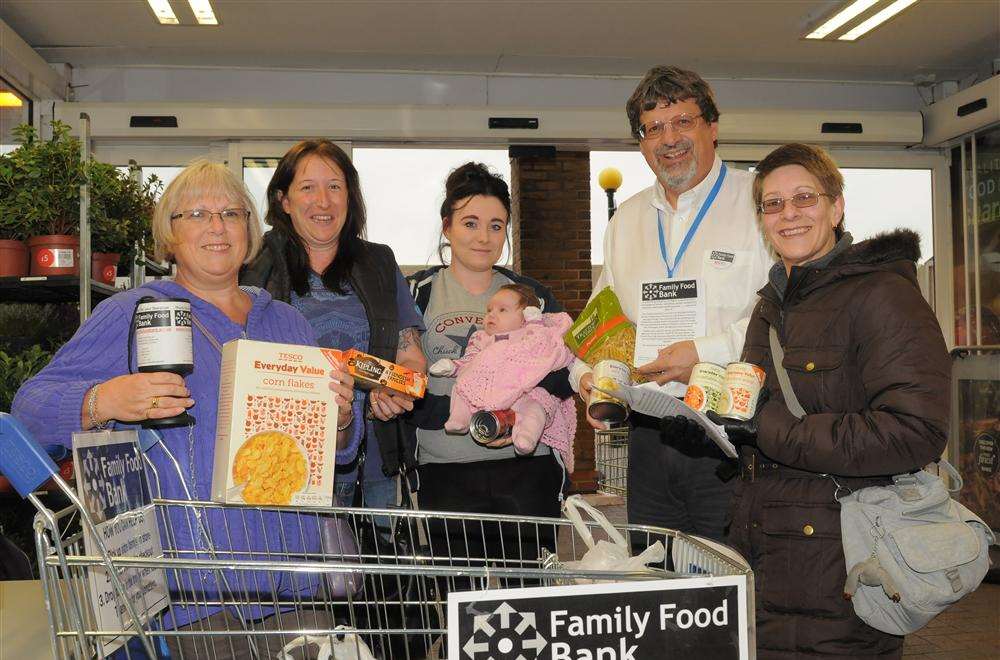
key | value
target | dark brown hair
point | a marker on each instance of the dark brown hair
(525, 294)
(670, 84)
(814, 160)
(349, 243)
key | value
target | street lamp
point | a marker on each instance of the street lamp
(610, 180)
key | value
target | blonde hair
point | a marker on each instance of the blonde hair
(200, 179)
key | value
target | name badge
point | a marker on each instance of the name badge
(721, 258)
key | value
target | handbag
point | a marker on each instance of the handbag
(910, 549)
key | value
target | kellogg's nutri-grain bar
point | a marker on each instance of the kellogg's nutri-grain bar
(276, 436)
(371, 371)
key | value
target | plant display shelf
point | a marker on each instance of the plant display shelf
(51, 289)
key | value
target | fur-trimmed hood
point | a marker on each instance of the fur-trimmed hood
(895, 251)
(885, 247)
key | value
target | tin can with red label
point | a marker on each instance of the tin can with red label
(704, 391)
(489, 425)
(742, 386)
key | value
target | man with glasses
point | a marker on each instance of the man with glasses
(696, 222)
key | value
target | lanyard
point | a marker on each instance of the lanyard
(692, 229)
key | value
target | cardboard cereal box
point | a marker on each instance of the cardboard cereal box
(276, 435)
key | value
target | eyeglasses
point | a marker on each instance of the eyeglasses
(680, 123)
(800, 200)
(204, 216)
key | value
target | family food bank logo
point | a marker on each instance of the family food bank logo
(565, 623)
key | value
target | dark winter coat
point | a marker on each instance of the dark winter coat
(867, 361)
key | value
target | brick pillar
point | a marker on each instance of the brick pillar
(551, 236)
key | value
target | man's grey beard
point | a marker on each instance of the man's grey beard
(682, 181)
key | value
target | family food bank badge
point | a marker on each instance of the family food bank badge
(643, 620)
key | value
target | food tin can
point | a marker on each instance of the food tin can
(743, 384)
(608, 375)
(489, 425)
(706, 387)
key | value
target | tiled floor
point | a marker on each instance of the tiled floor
(969, 629)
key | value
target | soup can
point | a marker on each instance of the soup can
(706, 387)
(743, 384)
(489, 425)
(609, 375)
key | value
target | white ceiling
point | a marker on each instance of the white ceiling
(950, 39)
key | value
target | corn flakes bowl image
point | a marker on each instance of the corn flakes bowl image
(270, 466)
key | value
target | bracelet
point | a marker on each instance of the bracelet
(347, 423)
(92, 409)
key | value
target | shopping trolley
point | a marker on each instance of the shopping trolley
(611, 460)
(375, 585)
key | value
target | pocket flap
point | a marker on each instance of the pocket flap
(801, 520)
(812, 359)
(936, 546)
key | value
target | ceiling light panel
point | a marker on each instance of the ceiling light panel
(842, 17)
(876, 20)
(163, 11)
(203, 12)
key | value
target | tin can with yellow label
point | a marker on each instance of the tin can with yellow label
(609, 374)
(743, 384)
(705, 389)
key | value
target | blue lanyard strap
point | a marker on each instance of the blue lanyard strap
(712, 194)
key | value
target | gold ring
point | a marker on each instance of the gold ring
(155, 403)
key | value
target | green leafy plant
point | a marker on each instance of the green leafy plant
(121, 210)
(18, 367)
(40, 183)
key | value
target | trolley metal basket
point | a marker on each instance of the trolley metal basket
(376, 582)
(611, 460)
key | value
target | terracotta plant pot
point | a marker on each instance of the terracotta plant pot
(13, 258)
(54, 255)
(104, 267)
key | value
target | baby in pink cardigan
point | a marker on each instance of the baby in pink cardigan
(502, 366)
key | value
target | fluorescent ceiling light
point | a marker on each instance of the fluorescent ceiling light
(842, 17)
(163, 12)
(10, 100)
(876, 20)
(203, 12)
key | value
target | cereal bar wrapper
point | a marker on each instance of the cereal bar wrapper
(370, 371)
(603, 332)
(276, 436)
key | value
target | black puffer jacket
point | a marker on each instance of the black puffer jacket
(868, 363)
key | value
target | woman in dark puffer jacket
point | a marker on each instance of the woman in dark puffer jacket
(867, 361)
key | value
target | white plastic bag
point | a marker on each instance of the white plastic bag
(604, 555)
(345, 646)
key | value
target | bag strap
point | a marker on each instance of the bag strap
(572, 507)
(778, 358)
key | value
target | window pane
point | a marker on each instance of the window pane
(635, 177)
(987, 228)
(257, 173)
(403, 191)
(14, 109)
(878, 200)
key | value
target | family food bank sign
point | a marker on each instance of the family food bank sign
(626, 621)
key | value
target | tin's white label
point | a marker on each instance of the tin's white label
(163, 334)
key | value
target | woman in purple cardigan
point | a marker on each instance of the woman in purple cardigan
(206, 223)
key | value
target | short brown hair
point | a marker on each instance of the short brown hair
(525, 294)
(670, 84)
(814, 160)
(202, 178)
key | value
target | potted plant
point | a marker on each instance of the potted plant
(43, 181)
(121, 215)
(13, 225)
